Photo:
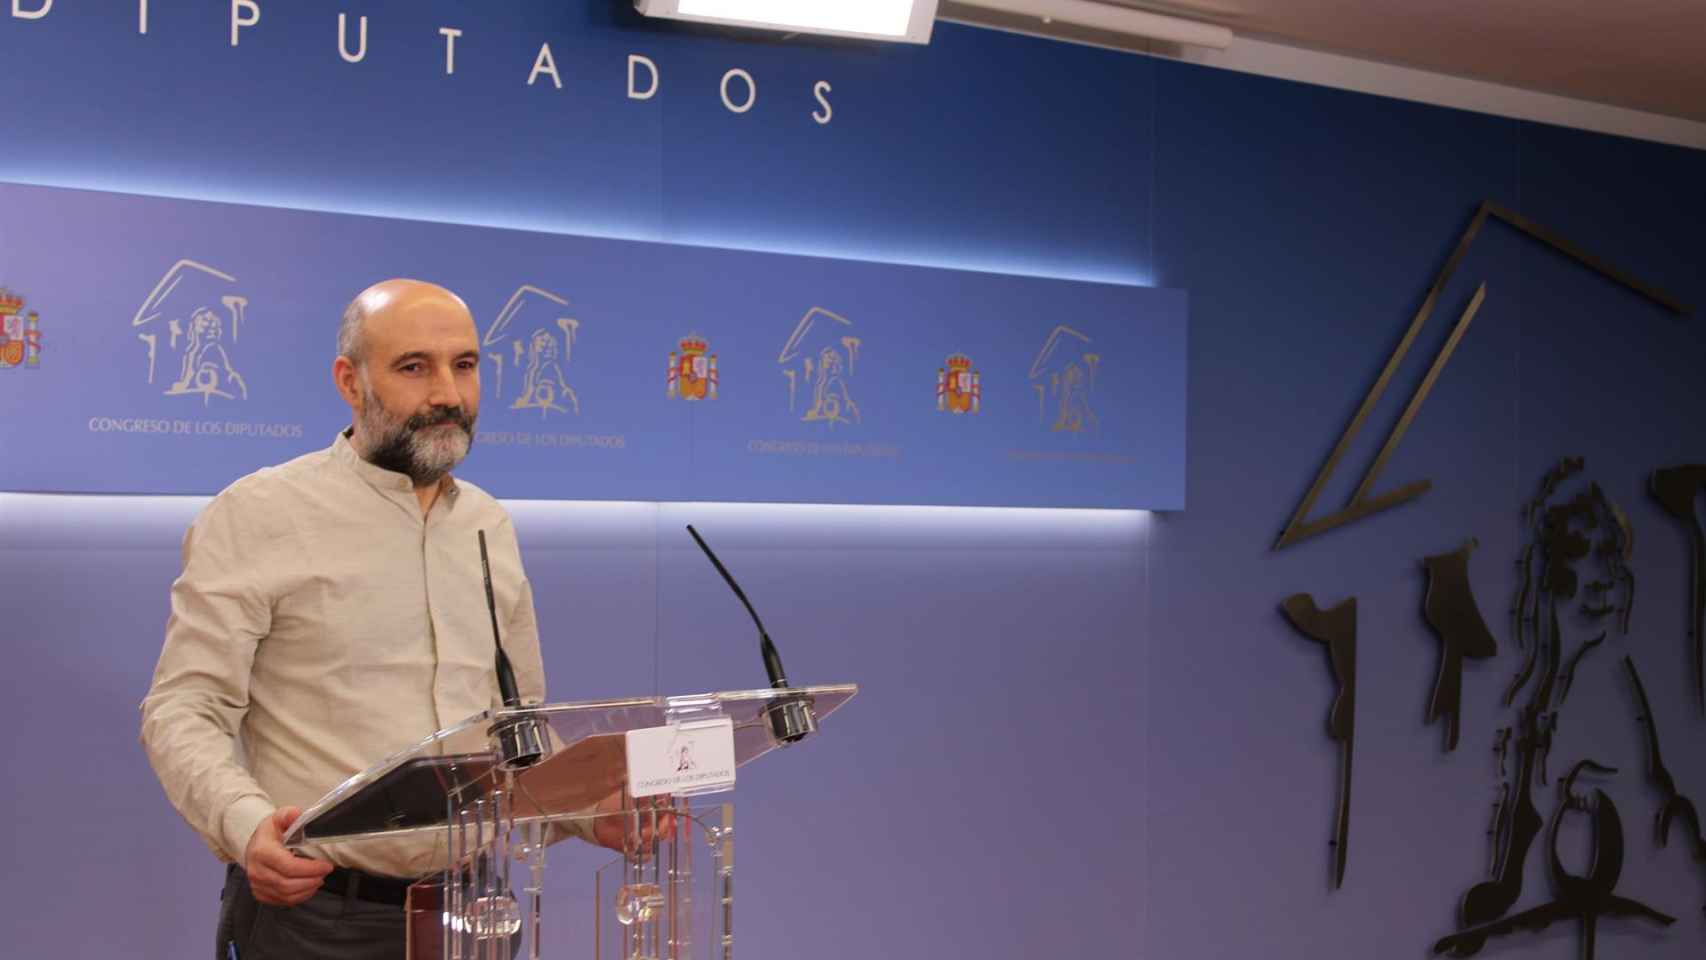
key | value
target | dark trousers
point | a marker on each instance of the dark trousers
(326, 926)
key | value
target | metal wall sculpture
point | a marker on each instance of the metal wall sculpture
(1569, 676)
(1673, 805)
(1577, 556)
(1676, 488)
(1450, 610)
(1581, 898)
(1567, 535)
(1363, 503)
(1559, 548)
(1337, 628)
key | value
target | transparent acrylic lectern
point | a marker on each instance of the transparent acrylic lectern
(488, 795)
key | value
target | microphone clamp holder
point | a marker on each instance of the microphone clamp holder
(519, 741)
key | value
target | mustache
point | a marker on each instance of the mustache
(438, 415)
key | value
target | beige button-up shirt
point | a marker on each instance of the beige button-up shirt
(322, 623)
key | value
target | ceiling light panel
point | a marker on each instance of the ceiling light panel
(907, 21)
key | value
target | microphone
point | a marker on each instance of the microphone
(506, 673)
(791, 718)
(520, 742)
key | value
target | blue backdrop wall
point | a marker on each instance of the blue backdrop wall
(1080, 731)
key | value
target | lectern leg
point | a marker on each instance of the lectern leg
(667, 899)
(470, 912)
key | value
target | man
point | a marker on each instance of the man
(332, 611)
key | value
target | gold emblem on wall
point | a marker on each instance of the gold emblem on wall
(820, 356)
(959, 387)
(540, 345)
(203, 315)
(1064, 377)
(692, 373)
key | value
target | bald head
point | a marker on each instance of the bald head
(409, 366)
(389, 298)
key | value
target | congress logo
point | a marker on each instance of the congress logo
(531, 344)
(198, 312)
(692, 374)
(1064, 377)
(820, 358)
(20, 333)
(681, 755)
(959, 387)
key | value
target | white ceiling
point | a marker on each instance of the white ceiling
(1648, 55)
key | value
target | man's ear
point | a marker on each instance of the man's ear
(345, 377)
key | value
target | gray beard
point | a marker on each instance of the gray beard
(413, 446)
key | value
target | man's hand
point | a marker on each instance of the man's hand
(276, 875)
(610, 824)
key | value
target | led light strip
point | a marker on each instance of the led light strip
(903, 20)
(1114, 19)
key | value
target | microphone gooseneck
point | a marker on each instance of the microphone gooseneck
(506, 673)
(520, 740)
(791, 717)
(766, 649)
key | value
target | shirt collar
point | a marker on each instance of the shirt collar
(379, 478)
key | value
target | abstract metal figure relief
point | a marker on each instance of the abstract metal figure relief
(1576, 661)
(1517, 822)
(1362, 503)
(1581, 898)
(1494, 828)
(1676, 488)
(1561, 548)
(1449, 608)
(1569, 533)
(1674, 804)
(1337, 628)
